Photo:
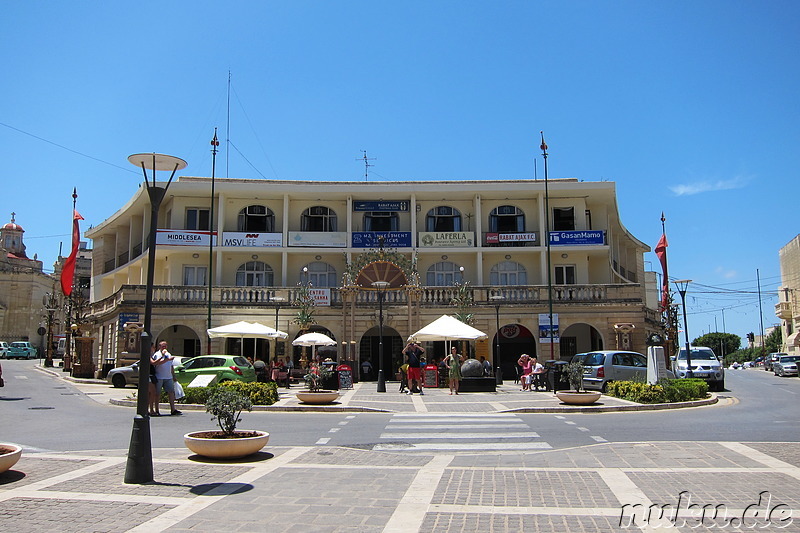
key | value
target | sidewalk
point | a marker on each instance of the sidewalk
(604, 487)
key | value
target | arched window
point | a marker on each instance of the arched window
(254, 274)
(256, 219)
(318, 218)
(381, 221)
(444, 274)
(320, 274)
(443, 218)
(508, 273)
(507, 219)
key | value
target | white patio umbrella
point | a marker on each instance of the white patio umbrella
(246, 330)
(447, 328)
(313, 339)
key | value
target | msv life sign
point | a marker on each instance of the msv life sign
(577, 238)
(256, 240)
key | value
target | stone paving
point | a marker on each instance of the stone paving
(603, 487)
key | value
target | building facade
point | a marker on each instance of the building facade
(788, 307)
(477, 248)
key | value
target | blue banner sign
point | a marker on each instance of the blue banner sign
(391, 239)
(577, 238)
(380, 205)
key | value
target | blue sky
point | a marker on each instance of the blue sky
(690, 107)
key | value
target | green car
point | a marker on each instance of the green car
(225, 367)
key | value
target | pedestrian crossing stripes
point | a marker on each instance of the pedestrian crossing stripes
(459, 432)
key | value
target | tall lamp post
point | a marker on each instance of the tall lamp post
(381, 287)
(50, 301)
(498, 374)
(139, 468)
(682, 285)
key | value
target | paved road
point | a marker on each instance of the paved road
(47, 413)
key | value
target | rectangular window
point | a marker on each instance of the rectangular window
(588, 219)
(380, 221)
(565, 274)
(197, 218)
(563, 219)
(194, 275)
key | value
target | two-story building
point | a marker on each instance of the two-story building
(268, 239)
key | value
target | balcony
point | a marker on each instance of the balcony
(783, 310)
(255, 297)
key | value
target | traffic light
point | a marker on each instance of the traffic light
(751, 337)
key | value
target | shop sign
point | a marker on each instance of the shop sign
(322, 239)
(183, 237)
(322, 297)
(254, 240)
(446, 239)
(391, 239)
(577, 238)
(495, 238)
(381, 205)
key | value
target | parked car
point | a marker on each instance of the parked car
(22, 350)
(705, 365)
(771, 358)
(225, 367)
(612, 365)
(124, 375)
(3, 349)
(786, 365)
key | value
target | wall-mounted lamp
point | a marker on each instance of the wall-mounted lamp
(196, 256)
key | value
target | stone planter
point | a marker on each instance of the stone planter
(225, 448)
(320, 397)
(9, 455)
(578, 398)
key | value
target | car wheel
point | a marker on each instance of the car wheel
(118, 381)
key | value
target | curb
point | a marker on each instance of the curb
(617, 408)
(264, 408)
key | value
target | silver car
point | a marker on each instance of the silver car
(612, 365)
(124, 375)
(705, 365)
(786, 365)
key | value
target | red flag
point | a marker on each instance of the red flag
(661, 252)
(68, 272)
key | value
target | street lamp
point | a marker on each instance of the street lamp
(139, 468)
(381, 287)
(682, 284)
(498, 374)
(50, 301)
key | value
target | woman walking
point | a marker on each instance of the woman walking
(453, 361)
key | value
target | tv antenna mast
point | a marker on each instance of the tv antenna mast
(366, 161)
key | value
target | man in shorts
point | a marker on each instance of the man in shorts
(163, 363)
(413, 353)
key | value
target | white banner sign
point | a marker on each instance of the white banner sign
(255, 240)
(548, 332)
(323, 239)
(183, 237)
(449, 239)
(322, 297)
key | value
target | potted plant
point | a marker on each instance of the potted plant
(9, 455)
(576, 396)
(317, 374)
(226, 406)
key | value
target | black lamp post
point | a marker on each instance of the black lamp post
(139, 468)
(682, 284)
(498, 374)
(50, 301)
(381, 287)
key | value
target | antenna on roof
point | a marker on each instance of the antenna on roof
(366, 163)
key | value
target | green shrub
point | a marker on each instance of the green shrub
(258, 393)
(665, 391)
(225, 405)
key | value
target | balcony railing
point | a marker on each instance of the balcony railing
(783, 310)
(427, 296)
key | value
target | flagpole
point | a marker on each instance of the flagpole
(547, 243)
(214, 144)
(68, 335)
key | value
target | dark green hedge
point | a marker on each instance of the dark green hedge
(259, 393)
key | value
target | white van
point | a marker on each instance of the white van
(61, 348)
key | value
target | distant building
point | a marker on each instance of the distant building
(788, 307)
(424, 238)
(23, 286)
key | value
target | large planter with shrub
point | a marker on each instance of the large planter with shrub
(218, 445)
(9, 455)
(226, 404)
(317, 397)
(572, 397)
